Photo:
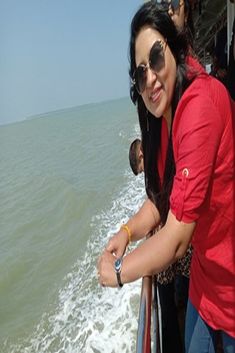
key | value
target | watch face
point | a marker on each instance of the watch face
(118, 264)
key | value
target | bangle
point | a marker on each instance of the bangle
(127, 229)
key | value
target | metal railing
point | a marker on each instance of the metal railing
(149, 318)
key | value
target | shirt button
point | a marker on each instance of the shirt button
(185, 172)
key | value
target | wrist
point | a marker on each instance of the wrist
(127, 230)
(118, 269)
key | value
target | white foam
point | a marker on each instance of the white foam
(89, 318)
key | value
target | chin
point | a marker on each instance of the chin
(157, 115)
(158, 112)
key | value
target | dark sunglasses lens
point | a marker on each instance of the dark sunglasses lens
(140, 78)
(156, 57)
(175, 4)
(163, 5)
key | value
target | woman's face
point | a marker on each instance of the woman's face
(178, 16)
(159, 88)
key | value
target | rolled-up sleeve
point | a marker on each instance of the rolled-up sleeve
(197, 132)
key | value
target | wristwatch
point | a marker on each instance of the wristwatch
(118, 268)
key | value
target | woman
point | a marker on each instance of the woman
(190, 183)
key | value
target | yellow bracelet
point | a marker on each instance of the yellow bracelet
(127, 229)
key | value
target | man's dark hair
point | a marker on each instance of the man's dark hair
(134, 156)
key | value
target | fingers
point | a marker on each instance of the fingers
(112, 245)
(117, 245)
(99, 270)
(99, 279)
(119, 253)
(105, 270)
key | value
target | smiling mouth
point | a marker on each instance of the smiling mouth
(155, 95)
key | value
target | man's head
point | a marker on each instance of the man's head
(136, 157)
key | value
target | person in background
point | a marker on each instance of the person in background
(219, 56)
(184, 180)
(181, 14)
(231, 64)
(136, 157)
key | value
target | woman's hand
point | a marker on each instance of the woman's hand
(118, 243)
(115, 248)
(146, 219)
(106, 272)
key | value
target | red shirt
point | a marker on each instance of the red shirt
(204, 191)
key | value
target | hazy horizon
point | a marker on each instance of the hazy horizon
(61, 110)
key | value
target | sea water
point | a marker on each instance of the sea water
(66, 186)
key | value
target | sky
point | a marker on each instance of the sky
(62, 53)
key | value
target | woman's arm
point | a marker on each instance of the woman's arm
(152, 256)
(144, 221)
(159, 251)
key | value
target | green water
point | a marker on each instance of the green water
(61, 175)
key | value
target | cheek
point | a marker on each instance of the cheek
(145, 99)
(171, 79)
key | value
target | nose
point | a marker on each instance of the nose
(151, 77)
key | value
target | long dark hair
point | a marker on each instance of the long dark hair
(189, 24)
(149, 15)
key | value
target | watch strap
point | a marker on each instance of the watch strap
(118, 269)
(120, 284)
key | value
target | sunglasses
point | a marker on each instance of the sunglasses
(156, 63)
(166, 5)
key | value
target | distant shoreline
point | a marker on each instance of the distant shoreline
(63, 110)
